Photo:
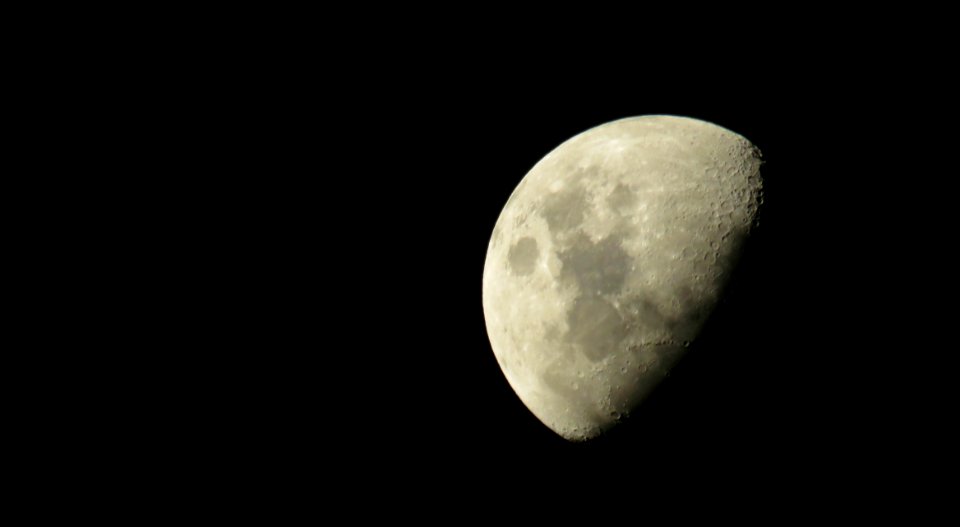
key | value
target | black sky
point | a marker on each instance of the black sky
(384, 194)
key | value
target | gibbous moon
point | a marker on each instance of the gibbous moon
(607, 260)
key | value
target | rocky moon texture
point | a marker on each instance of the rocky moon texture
(607, 260)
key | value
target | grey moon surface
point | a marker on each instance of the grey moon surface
(608, 258)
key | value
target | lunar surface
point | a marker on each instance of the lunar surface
(607, 260)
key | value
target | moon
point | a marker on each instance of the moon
(608, 258)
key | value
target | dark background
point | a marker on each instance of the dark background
(802, 369)
(267, 243)
(362, 232)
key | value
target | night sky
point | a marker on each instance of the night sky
(374, 233)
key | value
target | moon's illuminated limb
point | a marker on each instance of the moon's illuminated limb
(608, 258)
